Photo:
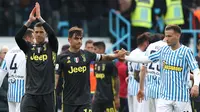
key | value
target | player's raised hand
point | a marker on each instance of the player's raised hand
(195, 91)
(140, 96)
(32, 15)
(38, 14)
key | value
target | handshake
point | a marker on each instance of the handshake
(120, 54)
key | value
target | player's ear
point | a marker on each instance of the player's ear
(69, 40)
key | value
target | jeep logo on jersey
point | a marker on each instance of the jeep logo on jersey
(100, 75)
(80, 69)
(42, 57)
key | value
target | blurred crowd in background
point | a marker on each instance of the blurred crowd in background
(91, 15)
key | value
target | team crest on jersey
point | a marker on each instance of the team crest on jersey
(68, 60)
(76, 59)
(33, 48)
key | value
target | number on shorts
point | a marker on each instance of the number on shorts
(110, 110)
(87, 110)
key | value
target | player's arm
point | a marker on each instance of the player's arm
(143, 71)
(140, 94)
(58, 70)
(116, 86)
(138, 59)
(142, 58)
(56, 80)
(23, 45)
(110, 57)
(195, 69)
(51, 35)
(196, 76)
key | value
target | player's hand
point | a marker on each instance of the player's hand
(126, 80)
(195, 91)
(121, 53)
(32, 15)
(38, 14)
(117, 102)
(140, 96)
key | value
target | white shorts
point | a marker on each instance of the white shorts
(152, 104)
(14, 107)
(135, 106)
(172, 106)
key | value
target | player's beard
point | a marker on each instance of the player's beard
(78, 45)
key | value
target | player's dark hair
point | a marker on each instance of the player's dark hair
(143, 38)
(176, 28)
(156, 37)
(75, 30)
(99, 44)
(39, 24)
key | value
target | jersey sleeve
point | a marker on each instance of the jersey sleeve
(59, 66)
(23, 45)
(93, 56)
(191, 60)
(155, 56)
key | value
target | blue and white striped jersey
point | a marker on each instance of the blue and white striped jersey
(153, 71)
(15, 61)
(175, 66)
(133, 85)
(3, 72)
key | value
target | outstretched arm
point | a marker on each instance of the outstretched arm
(138, 59)
(51, 35)
(110, 57)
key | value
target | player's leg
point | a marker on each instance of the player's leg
(48, 103)
(17, 107)
(130, 103)
(152, 104)
(85, 108)
(164, 105)
(143, 106)
(29, 104)
(182, 107)
(11, 106)
(136, 105)
(123, 105)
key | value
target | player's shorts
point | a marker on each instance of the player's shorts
(76, 108)
(35, 103)
(14, 106)
(103, 107)
(172, 106)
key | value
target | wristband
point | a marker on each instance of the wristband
(41, 20)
